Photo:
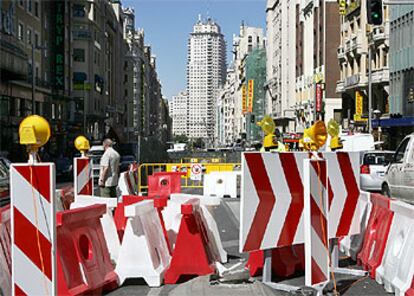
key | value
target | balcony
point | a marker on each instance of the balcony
(379, 34)
(356, 43)
(340, 87)
(381, 76)
(341, 53)
(355, 81)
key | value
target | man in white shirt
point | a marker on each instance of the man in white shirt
(109, 170)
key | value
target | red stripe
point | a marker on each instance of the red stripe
(316, 217)
(81, 164)
(41, 178)
(267, 200)
(87, 189)
(295, 211)
(18, 291)
(317, 274)
(353, 194)
(25, 238)
(323, 174)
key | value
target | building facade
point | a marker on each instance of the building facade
(357, 38)
(179, 110)
(206, 74)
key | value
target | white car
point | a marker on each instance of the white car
(373, 167)
(399, 178)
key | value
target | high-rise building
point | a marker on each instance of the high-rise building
(283, 28)
(206, 73)
(352, 54)
(179, 113)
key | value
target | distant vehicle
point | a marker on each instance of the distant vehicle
(399, 178)
(178, 147)
(373, 167)
(64, 167)
(4, 181)
(95, 154)
(126, 161)
(358, 142)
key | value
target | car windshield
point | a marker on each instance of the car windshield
(378, 158)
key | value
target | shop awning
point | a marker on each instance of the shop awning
(393, 122)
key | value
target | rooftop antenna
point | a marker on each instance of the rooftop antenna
(208, 9)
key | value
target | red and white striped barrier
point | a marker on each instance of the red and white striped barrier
(272, 195)
(397, 268)
(33, 229)
(125, 185)
(316, 223)
(83, 176)
(5, 249)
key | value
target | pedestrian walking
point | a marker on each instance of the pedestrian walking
(109, 170)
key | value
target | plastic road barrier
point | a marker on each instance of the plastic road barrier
(83, 179)
(316, 222)
(172, 218)
(376, 234)
(191, 255)
(286, 261)
(162, 184)
(84, 265)
(125, 185)
(5, 249)
(33, 229)
(397, 268)
(221, 184)
(107, 220)
(144, 251)
(272, 198)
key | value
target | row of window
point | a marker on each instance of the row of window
(31, 6)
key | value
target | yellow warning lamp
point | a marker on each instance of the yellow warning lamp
(82, 144)
(333, 131)
(268, 127)
(342, 7)
(34, 131)
(315, 136)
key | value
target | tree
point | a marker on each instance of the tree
(180, 139)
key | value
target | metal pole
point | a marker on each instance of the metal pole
(33, 80)
(267, 266)
(314, 100)
(139, 149)
(369, 90)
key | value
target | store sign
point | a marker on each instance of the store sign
(318, 94)
(244, 99)
(250, 95)
(58, 23)
(359, 102)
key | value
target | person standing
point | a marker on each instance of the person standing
(109, 170)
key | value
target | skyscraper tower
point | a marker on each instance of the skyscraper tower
(206, 73)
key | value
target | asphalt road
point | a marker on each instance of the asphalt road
(227, 218)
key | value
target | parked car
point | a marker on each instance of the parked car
(126, 160)
(373, 167)
(399, 178)
(64, 167)
(4, 181)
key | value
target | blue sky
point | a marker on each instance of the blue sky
(167, 24)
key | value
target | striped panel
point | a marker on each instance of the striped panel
(33, 229)
(83, 176)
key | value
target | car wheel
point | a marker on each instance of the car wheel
(385, 190)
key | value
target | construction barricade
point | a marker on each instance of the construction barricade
(191, 254)
(82, 176)
(221, 184)
(125, 186)
(173, 218)
(162, 184)
(144, 251)
(84, 265)
(397, 267)
(376, 234)
(5, 251)
(351, 245)
(107, 220)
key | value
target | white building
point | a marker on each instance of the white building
(249, 39)
(206, 74)
(281, 27)
(179, 113)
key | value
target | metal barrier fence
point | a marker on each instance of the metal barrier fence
(202, 160)
(189, 180)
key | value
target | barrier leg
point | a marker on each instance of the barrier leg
(335, 262)
(267, 267)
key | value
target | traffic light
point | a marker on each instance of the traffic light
(342, 7)
(374, 12)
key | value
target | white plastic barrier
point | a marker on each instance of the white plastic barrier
(124, 184)
(172, 220)
(221, 184)
(107, 220)
(397, 268)
(351, 245)
(144, 251)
